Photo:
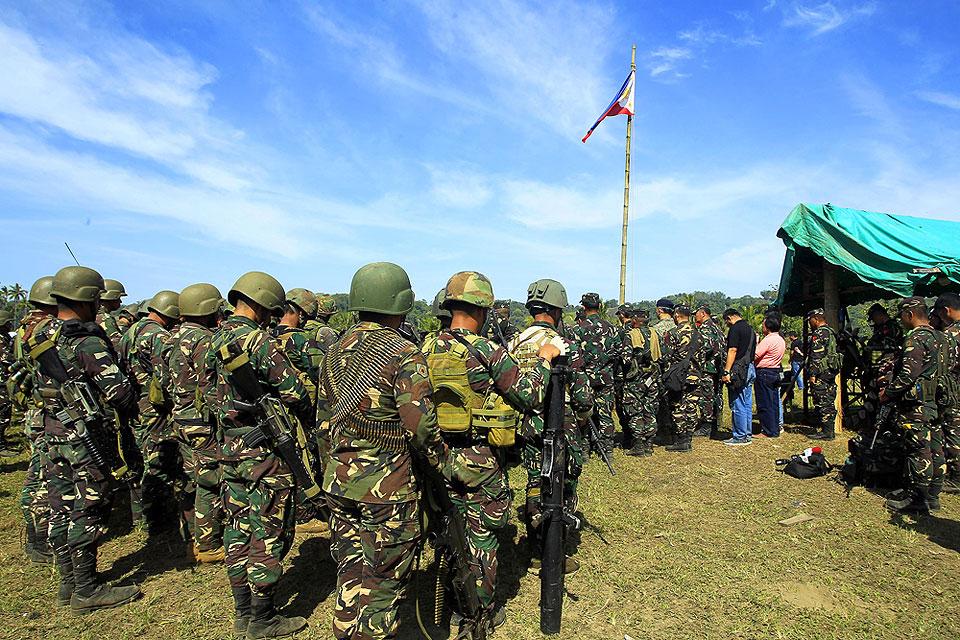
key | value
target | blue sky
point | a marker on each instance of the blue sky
(183, 141)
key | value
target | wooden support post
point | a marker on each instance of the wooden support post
(831, 311)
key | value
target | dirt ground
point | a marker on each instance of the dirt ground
(677, 546)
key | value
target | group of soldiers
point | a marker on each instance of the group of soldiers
(246, 417)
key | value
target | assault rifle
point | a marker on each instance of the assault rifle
(597, 443)
(446, 529)
(273, 425)
(556, 519)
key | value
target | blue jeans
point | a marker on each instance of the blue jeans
(797, 377)
(741, 407)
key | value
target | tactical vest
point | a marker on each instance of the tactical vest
(460, 409)
(525, 347)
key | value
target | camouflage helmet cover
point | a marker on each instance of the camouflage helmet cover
(200, 300)
(113, 289)
(40, 291)
(303, 299)
(79, 284)
(166, 303)
(261, 288)
(326, 305)
(548, 292)
(438, 301)
(471, 287)
(381, 287)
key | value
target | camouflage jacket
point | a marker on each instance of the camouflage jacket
(87, 355)
(887, 337)
(677, 345)
(524, 348)
(474, 464)
(952, 342)
(322, 333)
(394, 402)
(600, 346)
(144, 351)
(108, 322)
(303, 352)
(823, 342)
(28, 379)
(716, 341)
(662, 326)
(641, 375)
(274, 372)
(188, 381)
(913, 386)
(507, 328)
(7, 360)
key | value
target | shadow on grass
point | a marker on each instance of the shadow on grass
(940, 531)
(10, 467)
(162, 553)
(310, 578)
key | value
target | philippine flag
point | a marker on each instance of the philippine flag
(621, 105)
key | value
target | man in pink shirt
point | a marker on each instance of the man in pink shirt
(768, 361)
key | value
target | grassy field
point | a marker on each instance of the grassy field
(679, 546)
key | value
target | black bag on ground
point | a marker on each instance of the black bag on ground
(814, 466)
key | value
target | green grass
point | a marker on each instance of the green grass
(692, 550)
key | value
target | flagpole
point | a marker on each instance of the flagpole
(626, 194)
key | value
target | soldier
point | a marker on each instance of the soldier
(375, 392)
(887, 332)
(686, 351)
(710, 384)
(126, 316)
(33, 498)
(471, 373)
(914, 389)
(546, 300)
(109, 306)
(189, 382)
(444, 317)
(259, 496)
(665, 320)
(501, 315)
(600, 346)
(823, 365)
(641, 382)
(662, 326)
(79, 489)
(299, 345)
(947, 307)
(144, 349)
(6, 364)
(323, 333)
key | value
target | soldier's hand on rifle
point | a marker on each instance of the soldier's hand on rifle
(548, 352)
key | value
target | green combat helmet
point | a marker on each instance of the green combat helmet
(40, 292)
(260, 287)
(113, 290)
(166, 303)
(304, 300)
(438, 310)
(381, 287)
(548, 292)
(326, 305)
(77, 284)
(470, 287)
(200, 300)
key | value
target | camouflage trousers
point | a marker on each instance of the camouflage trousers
(923, 449)
(485, 509)
(641, 413)
(533, 462)
(686, 410)
(824, 392)
(711, 400)
(374, 546)
(79, 493)
(34, 503)
(258, 501)
(152, 500)
(201, 506)
(604, 400)
(951, 444)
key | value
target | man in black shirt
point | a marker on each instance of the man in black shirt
(795, 345)
(739, 375)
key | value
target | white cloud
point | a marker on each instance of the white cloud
(824, 17)
(948, 100)
(550, 206)
(871, 102)
(459, 188)
(663, 62)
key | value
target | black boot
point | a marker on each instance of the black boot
(915, 503)
(827, 433)
(36, 546)
(933, 495)
(683, 443)
(951, 485)
(88, 594)
(65, 568)
(648, 447)
(638, 449)
(241, 607)
(265, 622)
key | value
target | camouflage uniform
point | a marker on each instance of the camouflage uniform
(823, 343)
(321, 332)
(258, 495)
(6, 402)
(664, 419)
(913, 388)
(303, 352)
(108, 322)
(710, 385)
(368, 478)
(951, 414)
(189, 381)
(641, 389)
(685, 407)
(600, 346)
(524, 348)
(144, 348)
(479, 486)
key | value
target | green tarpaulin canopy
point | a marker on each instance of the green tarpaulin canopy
(880, 255)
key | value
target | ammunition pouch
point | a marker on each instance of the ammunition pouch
(156, 394)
